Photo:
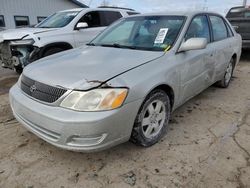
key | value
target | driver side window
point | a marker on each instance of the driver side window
(199, 28)
(92, 19)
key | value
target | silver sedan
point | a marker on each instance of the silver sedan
(125, 84)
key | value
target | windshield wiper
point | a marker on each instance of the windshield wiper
(90, 44)
(116, 45)
(44, 27)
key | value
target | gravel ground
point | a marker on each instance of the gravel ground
(208, 145)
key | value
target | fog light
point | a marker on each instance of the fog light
(85, 141)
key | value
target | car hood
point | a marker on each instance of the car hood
(18, 34)
(87, 67)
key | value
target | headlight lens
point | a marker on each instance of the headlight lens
(23, 42)
(95, 100)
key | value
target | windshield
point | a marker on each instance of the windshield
(154, 33)
(58, 20)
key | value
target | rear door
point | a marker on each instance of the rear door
(223, 42)
(97, 21)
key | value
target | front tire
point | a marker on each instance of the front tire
(152, 119)
(18, 69)
(224, 83)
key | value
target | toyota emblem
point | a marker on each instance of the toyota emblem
(32, 88)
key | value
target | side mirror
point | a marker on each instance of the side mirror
(193, 44)
(81, 25)
(235, 27)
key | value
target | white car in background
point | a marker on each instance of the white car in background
(61, 31)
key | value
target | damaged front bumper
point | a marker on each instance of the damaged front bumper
(17, 54)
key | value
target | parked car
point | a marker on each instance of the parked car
(125, 84)
(59, 32)
(240, 19)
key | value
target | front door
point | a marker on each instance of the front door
(95, 26)
(196, 69)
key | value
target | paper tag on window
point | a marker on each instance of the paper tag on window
(161, 36)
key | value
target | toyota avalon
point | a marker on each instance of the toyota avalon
(125, 84)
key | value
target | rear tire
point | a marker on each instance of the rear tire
(224, 83)
(152, 119)
(52, 51)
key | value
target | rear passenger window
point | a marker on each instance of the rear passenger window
(199, 28)
(219, 28)
(109, 17)
(230, 32)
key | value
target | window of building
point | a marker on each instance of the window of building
(40, 18)
(219, 28)
(22, 21)
(2, 22)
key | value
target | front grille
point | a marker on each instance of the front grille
(41, 91)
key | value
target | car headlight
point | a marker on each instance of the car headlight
(23, 42)
(95, 100)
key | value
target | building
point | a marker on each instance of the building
(21, 13)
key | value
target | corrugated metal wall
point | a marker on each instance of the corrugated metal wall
(31, 8)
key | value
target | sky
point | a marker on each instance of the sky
(220, 6)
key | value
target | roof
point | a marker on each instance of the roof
(176, 13)
(95, 9)
(114, 7)
(80, 4)
(74, 9)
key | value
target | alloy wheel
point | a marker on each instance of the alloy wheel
(153, 119)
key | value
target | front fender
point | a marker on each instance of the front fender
(142, 80)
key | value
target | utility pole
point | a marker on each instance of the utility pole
(205, 6)
(244, 3)
(90, 2)
(105, 3)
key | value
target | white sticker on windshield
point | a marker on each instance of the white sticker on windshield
(161, 36)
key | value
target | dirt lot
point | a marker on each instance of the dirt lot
(208, 145)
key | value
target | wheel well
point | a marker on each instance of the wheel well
(62, 45)
(235, 59)
(169, 91)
